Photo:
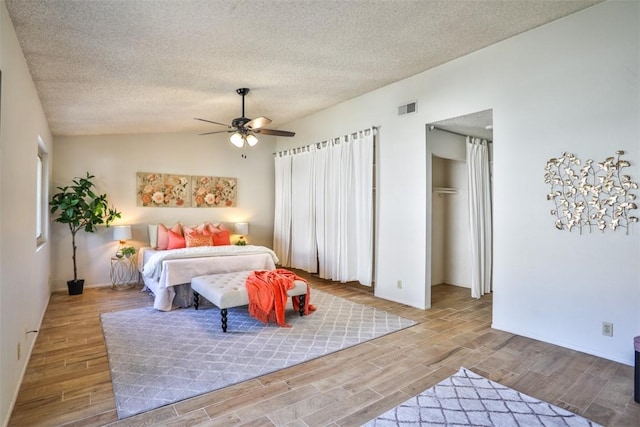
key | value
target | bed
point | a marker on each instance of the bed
(168, 273)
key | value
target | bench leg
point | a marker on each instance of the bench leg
(301, 299)
(196, 299)
(223, 314)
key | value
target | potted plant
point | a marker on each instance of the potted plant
(128, 251)
(81, 208)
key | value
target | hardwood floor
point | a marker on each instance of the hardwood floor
(67, 382)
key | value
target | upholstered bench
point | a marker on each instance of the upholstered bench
(226, 290)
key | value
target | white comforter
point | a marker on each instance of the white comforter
(165, 269)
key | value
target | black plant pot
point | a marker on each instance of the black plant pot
(75, 286)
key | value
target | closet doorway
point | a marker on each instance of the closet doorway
(453, 254)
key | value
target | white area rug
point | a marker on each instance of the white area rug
(158, 358)
(467, 399)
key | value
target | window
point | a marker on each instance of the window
(41, 193)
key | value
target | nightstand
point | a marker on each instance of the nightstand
(124, 272)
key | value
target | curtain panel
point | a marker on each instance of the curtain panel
(282, 222)
(480, 216)
(331, 205)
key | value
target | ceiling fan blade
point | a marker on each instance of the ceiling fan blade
(257, 123)
(217, 131)
(209, 121)
(275, 132)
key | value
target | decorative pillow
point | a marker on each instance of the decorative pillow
(197, 229)
(153, 235)
(195, 239)
(213, 228)
(221, 238)
(176, 241)
(163, 235)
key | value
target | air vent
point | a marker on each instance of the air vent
(409, 108)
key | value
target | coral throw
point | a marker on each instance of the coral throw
(267, 291)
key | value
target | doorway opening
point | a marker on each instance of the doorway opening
(453, 236)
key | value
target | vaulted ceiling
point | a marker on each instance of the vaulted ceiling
(147, 66)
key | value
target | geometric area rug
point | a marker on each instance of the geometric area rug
(158, 358)
(467, 399)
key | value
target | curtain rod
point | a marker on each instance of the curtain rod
(319, 144)
(432, 127)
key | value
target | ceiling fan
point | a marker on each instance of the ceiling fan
(244, 129)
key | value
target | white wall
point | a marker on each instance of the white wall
(438, 222)
(571, 86)
(450, 242)
(24, 268)
(457, 242)
(115, 160)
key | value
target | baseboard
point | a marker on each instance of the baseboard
(26, 364)
(95, 285)
(456, 284)
(566, 345)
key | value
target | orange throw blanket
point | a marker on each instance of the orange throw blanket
(267, 291)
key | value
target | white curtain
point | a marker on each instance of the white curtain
(332, 209)
(479, 216)
(363, 207)
(282, 220)
(324, 219)
(304, 253)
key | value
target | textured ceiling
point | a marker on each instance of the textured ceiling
(146, 66)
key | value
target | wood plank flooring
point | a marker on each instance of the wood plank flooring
(67, 382)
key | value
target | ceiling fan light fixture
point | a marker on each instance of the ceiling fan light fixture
(237, 139)
(243, 128)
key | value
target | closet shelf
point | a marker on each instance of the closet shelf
(445, 190)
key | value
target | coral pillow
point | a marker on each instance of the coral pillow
(176, 241)
(221, 238)
(163, 235)
(197, 229)
(213, 229)
(193, 240)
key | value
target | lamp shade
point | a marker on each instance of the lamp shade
(251, 140)
(122, 232)
(241, 228)
(237, 139)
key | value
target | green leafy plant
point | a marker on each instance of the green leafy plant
(81, 208)
(128, 251)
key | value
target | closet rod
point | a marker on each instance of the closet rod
(432, 127)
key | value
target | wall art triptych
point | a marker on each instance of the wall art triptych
(184, 191)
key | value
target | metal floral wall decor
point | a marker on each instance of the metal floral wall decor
(183, 191)
(591, 195)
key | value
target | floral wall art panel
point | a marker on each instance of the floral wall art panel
(214, 192)
(163, 190)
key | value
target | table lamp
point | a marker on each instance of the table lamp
(122, 233)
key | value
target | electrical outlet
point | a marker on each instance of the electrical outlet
(607, 329)
(399, 284)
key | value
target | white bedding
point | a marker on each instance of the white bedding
(163, 271)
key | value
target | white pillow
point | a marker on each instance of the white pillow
(153, 235)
